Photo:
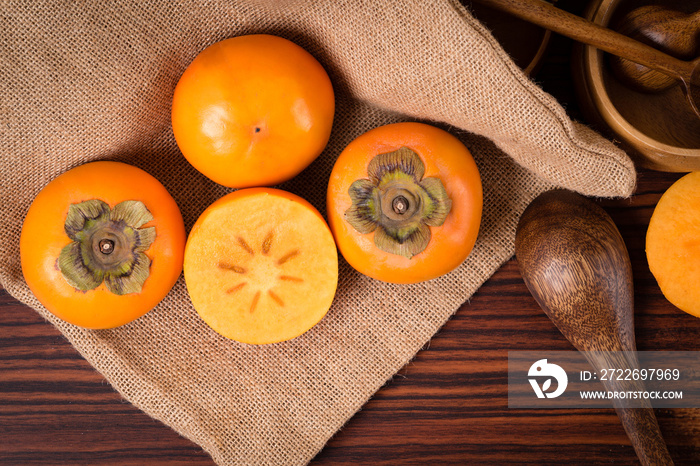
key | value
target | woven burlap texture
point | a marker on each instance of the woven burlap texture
(85, 81)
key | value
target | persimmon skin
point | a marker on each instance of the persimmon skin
(253, 110)
(43, 236)
(444, 157)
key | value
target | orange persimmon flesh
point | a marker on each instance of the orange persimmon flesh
(673, 244)
(261, 266)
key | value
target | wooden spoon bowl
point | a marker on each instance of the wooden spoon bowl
(575, 264)
(671, 31)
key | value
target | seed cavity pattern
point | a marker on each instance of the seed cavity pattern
(243, 272)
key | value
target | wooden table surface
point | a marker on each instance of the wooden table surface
(449, 405)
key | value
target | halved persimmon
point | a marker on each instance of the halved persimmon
(102, 244)
(253, 110)
(261, 266)
(673, 243)
(404, 203)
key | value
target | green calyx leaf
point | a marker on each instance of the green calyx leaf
(363, 215)
(402, 161)
(407, 242)
(129, 279)
(108, 246)
(397, 204)
(437, 203)
(74, 270)
(80, 214)
(132, 213)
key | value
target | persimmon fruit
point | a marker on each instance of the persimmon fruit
(253, 110)
(102, 244)
(261, 266)
(404, 203)
(673, 243)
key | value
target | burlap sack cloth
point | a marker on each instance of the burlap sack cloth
(84, 81)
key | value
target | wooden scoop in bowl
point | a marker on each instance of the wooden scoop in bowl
(548, 16)
(670, 31)
(575, 264)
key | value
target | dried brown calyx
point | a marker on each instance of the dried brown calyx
(108, 245)
(397, 203)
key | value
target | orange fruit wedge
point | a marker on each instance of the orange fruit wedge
(261, 266)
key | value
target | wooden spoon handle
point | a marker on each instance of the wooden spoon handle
(546, 15)
(644, 433)
(640, 423)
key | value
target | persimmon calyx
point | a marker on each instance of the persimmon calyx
(108, 246)
(397, 203)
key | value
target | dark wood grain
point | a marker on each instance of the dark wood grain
(448, 406)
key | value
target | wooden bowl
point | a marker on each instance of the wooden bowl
(525, 42)
(660, 131)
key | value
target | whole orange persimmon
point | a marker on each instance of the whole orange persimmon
(405, 202)
(253, 110)
(102, 244)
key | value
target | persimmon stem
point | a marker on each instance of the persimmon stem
(400, 205)
(106, 246)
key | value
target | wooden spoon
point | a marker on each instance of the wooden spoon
(546, 15)
(670, 31)
(575, 264)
